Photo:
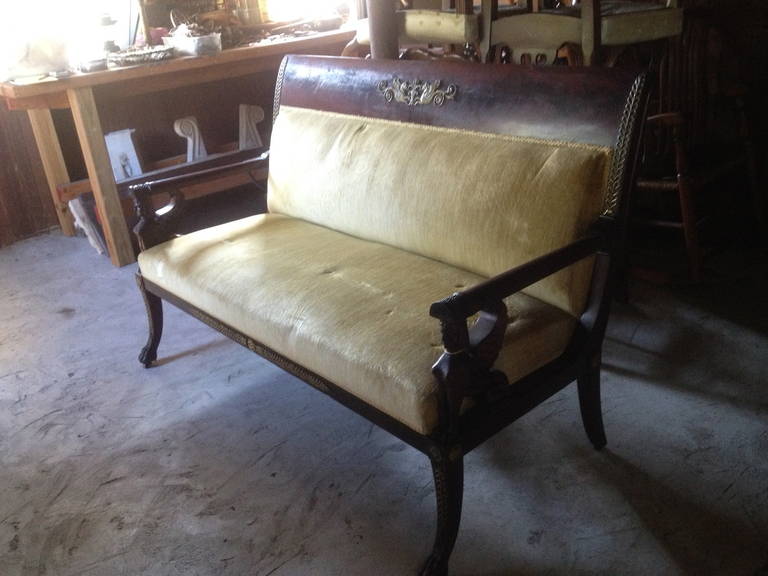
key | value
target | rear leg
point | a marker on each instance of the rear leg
(591, 405)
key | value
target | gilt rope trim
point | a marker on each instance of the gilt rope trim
(619, 166)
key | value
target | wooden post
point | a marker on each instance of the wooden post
(145, 23)
(53, 164)
(382, 19)
(489, 13)
(590, 31)
(464, 7)
(97, 162)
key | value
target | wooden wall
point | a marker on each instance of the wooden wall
(744, 24)
(25, 203)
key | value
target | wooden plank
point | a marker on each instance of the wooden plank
(590, 31)
(219, 184)
(465, 7)
(212, 186)
(536, 30)
(53, 164)
(189, 78)
(166, 162)
(99, 168)
(633, 27)
(50, 101)
(384, 29)
(239, 58)
(489, 12)
(72, 190)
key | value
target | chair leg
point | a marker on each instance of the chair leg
(690, 231)
(449, 490)
(154, 307)
(590, 404)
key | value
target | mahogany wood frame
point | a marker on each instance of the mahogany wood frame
(466, 367)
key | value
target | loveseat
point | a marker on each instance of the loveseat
(439, 249)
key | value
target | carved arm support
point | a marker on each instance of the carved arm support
(157, 226)
(466, 366)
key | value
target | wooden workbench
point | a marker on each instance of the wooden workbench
(81, 92)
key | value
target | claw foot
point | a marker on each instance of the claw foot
(147, 356)
(434, 566)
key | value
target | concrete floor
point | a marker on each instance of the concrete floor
(215, 462)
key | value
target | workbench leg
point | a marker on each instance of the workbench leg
(53, 164)
(384, 30)
(100, 174)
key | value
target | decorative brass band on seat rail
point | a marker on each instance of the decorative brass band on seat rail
(416, 92)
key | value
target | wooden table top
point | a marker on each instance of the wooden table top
(191, 70)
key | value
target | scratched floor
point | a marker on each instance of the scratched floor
(217, 463)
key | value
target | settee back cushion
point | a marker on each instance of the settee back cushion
(482, 202)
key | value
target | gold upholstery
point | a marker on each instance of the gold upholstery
(481, 202)
(352, 311)
(429, 26)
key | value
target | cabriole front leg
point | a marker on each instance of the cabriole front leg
(448, 471)
(154, 307)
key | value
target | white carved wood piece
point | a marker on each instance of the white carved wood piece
(189, 129)
(249, 136)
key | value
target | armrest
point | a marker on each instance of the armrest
(157, 226)
(466, 366)
(178, 176)
(462, 305)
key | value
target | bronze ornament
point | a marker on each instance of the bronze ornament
(416, 92)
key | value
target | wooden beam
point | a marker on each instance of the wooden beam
(200, 68)
(384, 29)
(183, 78)
(590, 31)
(53, 164)
(145, 22)
(465, 7)
(213, 184)
(72, 190)
(55, 100)
(489, 13)
(102, 180)
(220, 183)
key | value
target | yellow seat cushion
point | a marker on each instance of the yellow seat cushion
(353, 311)
(482, 202)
